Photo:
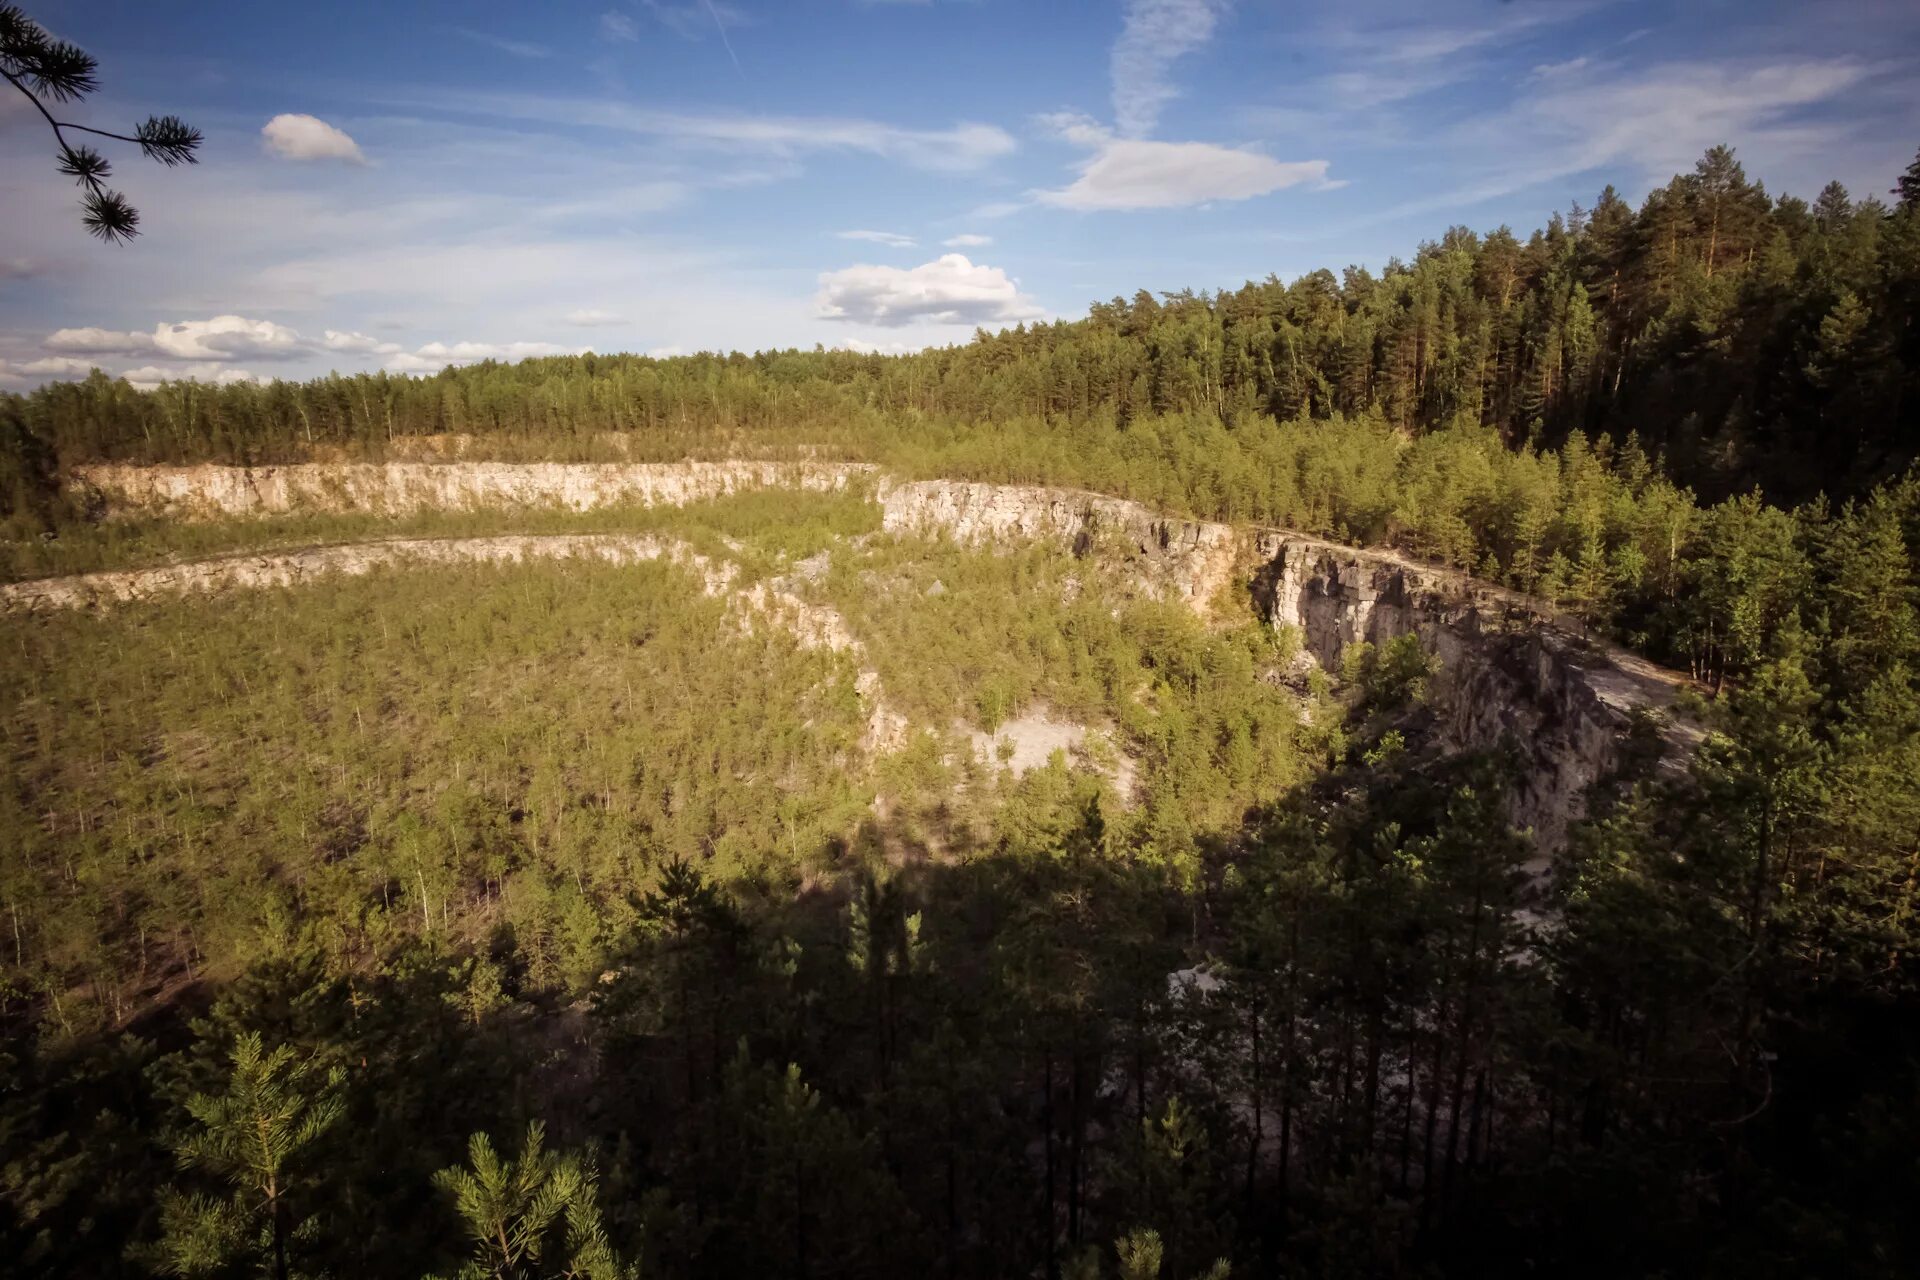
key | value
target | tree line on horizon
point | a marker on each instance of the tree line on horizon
(1749, 340)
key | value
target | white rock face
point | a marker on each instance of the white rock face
(1510, 671)
(399, 488)
(1029, 741)
(285, 569)
(1193, 559)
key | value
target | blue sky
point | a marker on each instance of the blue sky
(405, 186)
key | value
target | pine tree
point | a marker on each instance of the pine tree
(1908, 185)
(257, 1139)
(51, 72)
(519, 1210)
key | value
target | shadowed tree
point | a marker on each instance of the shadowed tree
(517, 1210)
(52, 73)
(257, 1138)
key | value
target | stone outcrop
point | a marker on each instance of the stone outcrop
(1192, 559)
(291, 568)
(399, 488)
(1510, 672)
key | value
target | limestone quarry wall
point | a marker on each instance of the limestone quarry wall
(398, 488)
(1193, 559)
(1510, 670)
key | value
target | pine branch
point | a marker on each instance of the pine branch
(47, 70)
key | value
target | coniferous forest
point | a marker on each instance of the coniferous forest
(533, 920)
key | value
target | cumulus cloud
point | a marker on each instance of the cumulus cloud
(967, 240)
(147, 377)
(358, 343)
(220, 338)
(1133, 173)
(304, 137)
(436, 356)
(891, 239)
(948, 290)
(57, 367)
(98, 342)
(226, 338)
(860, 347)
(588, 317)
(205, 345)
(1154, 34)
(46, 369)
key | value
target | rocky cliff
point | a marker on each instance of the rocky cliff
(397, 488)
(1192, 560)
(1510, 670)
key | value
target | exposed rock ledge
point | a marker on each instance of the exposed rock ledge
(1510, 669)
(397, 488)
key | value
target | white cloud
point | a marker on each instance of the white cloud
(227, 337)
(587, 317)
(965, 146)
(518, 48)
(999, 209)
(221, 338)
(1657, 120)
(436, 356)
(1156, 32)
(861, 347)
(618, 26)
(1131, 173)
(147, 377)
(304, 137)
(698, 20)
(358, 343)
(98, 342)
(948, 290)
(967, 240)
(665, 353)
(57, 366)
(891, 239)
(1555, 70)
(46, 369)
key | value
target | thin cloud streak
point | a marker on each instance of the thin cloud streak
(966, 145)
